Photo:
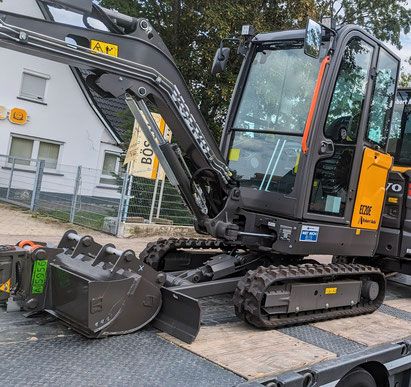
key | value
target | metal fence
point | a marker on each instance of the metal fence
(84, 196)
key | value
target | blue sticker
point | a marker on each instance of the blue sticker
(309, 234)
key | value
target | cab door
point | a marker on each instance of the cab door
(350, 164)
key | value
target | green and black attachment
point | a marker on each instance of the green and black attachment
(97, 290)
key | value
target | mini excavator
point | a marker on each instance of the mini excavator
(301, 170)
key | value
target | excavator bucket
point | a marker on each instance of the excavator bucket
(97, 290)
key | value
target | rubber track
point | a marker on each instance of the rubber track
(155, 253)
(249, 295)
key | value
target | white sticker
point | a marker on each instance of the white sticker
(309, 234)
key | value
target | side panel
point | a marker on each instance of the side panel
(371, 190)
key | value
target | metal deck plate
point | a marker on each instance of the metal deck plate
(323, 339)
(50, 354)
(395, 312)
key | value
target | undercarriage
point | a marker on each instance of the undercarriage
(269, 291)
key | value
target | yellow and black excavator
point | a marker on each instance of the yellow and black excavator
(302, 169)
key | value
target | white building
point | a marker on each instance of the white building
(67, 124)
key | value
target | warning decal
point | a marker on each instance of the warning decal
(104, 48)
(6, 287)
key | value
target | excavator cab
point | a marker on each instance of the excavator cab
(306, 138)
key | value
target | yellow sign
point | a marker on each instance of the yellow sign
(330, 291)
(104, 48)
(18, 116)
(3, 113)
(140, 156)
(6, 287)
(371, 190)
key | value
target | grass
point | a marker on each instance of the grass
(82, 218)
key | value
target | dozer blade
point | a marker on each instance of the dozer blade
(180, 316)
(97, 290)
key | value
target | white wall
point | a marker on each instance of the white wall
(67, 116)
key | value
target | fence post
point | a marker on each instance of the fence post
(127, 204)
(160, 199)
(75, 195)
(37, 184)
(11, 178)
(153, 202)
(121, 205)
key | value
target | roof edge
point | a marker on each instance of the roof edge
(94, 106)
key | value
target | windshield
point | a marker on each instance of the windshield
(271, 117)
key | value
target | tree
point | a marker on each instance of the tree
(383, 18)
(192, 30)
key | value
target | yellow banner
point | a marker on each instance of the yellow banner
(140, 158)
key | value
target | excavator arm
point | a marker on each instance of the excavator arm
(143, 70)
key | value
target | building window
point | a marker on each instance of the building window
(111, 167)
(21, 147)
(49, 152)
(24, 149)
(33, 86)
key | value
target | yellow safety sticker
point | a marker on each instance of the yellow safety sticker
(6, 287)
(358, 231)
(393, 200)
(234, 154)
(330, 291)
(104, 48)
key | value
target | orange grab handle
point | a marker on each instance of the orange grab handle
(314, 102)
(26, 243)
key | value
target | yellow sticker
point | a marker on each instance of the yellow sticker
(358, 231)
(104, 48)
(393, 200)
(234, 154)
(6, 287)
(330, 290)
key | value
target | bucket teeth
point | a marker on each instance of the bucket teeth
(98, 290)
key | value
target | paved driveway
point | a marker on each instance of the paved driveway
(17, 224)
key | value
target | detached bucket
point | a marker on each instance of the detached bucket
(98, 290)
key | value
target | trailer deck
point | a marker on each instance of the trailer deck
(40, 350)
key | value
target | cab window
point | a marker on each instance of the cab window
(383, 99)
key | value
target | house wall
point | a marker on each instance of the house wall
(66, 116)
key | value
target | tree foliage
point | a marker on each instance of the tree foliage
(383, 18)
(192, 30)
